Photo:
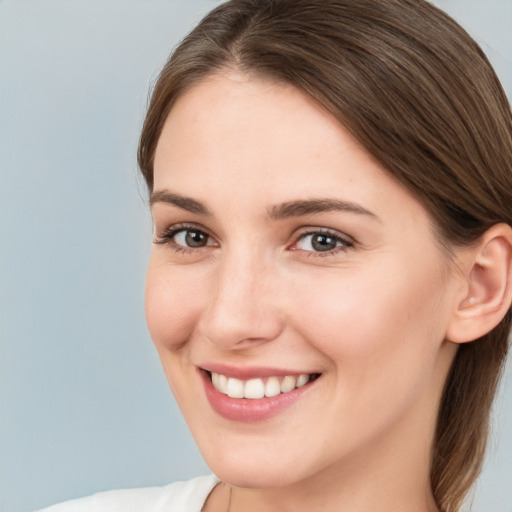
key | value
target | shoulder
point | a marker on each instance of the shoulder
(186, 496)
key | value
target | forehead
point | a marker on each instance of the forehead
(240, 122)
(240, 139)
(234, 108)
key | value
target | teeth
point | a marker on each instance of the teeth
(302, 379)
(215, 380)
(223, 384)
(288, 384)
(257, 388)
(272, 387)
(254, 388)
(220, 382)
(235, 388)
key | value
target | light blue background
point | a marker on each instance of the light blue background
(84, 404)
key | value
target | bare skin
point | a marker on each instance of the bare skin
(369, 315)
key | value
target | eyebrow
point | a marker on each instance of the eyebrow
(185, 203)
(298, 208)
(307, 207)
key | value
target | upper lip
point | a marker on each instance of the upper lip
(249, 372)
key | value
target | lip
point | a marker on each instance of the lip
(247, 410)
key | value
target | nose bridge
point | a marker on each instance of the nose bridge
(242, 307)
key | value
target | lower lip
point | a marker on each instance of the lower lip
(248, 410)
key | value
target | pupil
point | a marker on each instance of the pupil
(195, 239)
(323, 243)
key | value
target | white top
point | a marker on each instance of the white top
(177, 497)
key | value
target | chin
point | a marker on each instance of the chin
(254, 476)
(251, 464)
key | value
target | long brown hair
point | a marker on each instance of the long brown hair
(419, 94)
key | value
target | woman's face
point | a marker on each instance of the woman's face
(284, 253)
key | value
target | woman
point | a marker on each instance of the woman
(330, 285)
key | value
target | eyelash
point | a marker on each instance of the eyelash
(167, 238)
(345, 242)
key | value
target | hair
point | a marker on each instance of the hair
(419, 94)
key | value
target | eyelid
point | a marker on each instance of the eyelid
(346, 241)
(167, 235)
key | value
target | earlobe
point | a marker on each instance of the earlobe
(488, 294)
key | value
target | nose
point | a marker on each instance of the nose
(243, 308)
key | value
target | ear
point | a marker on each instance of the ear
(487, 291)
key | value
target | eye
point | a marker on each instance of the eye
(191, 238)
(322, 242)
(185, 237)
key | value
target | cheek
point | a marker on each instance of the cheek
(374, 324)
(172, 306)
(382, 349)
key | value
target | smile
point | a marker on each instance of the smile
(254, 394)
(258, 388)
